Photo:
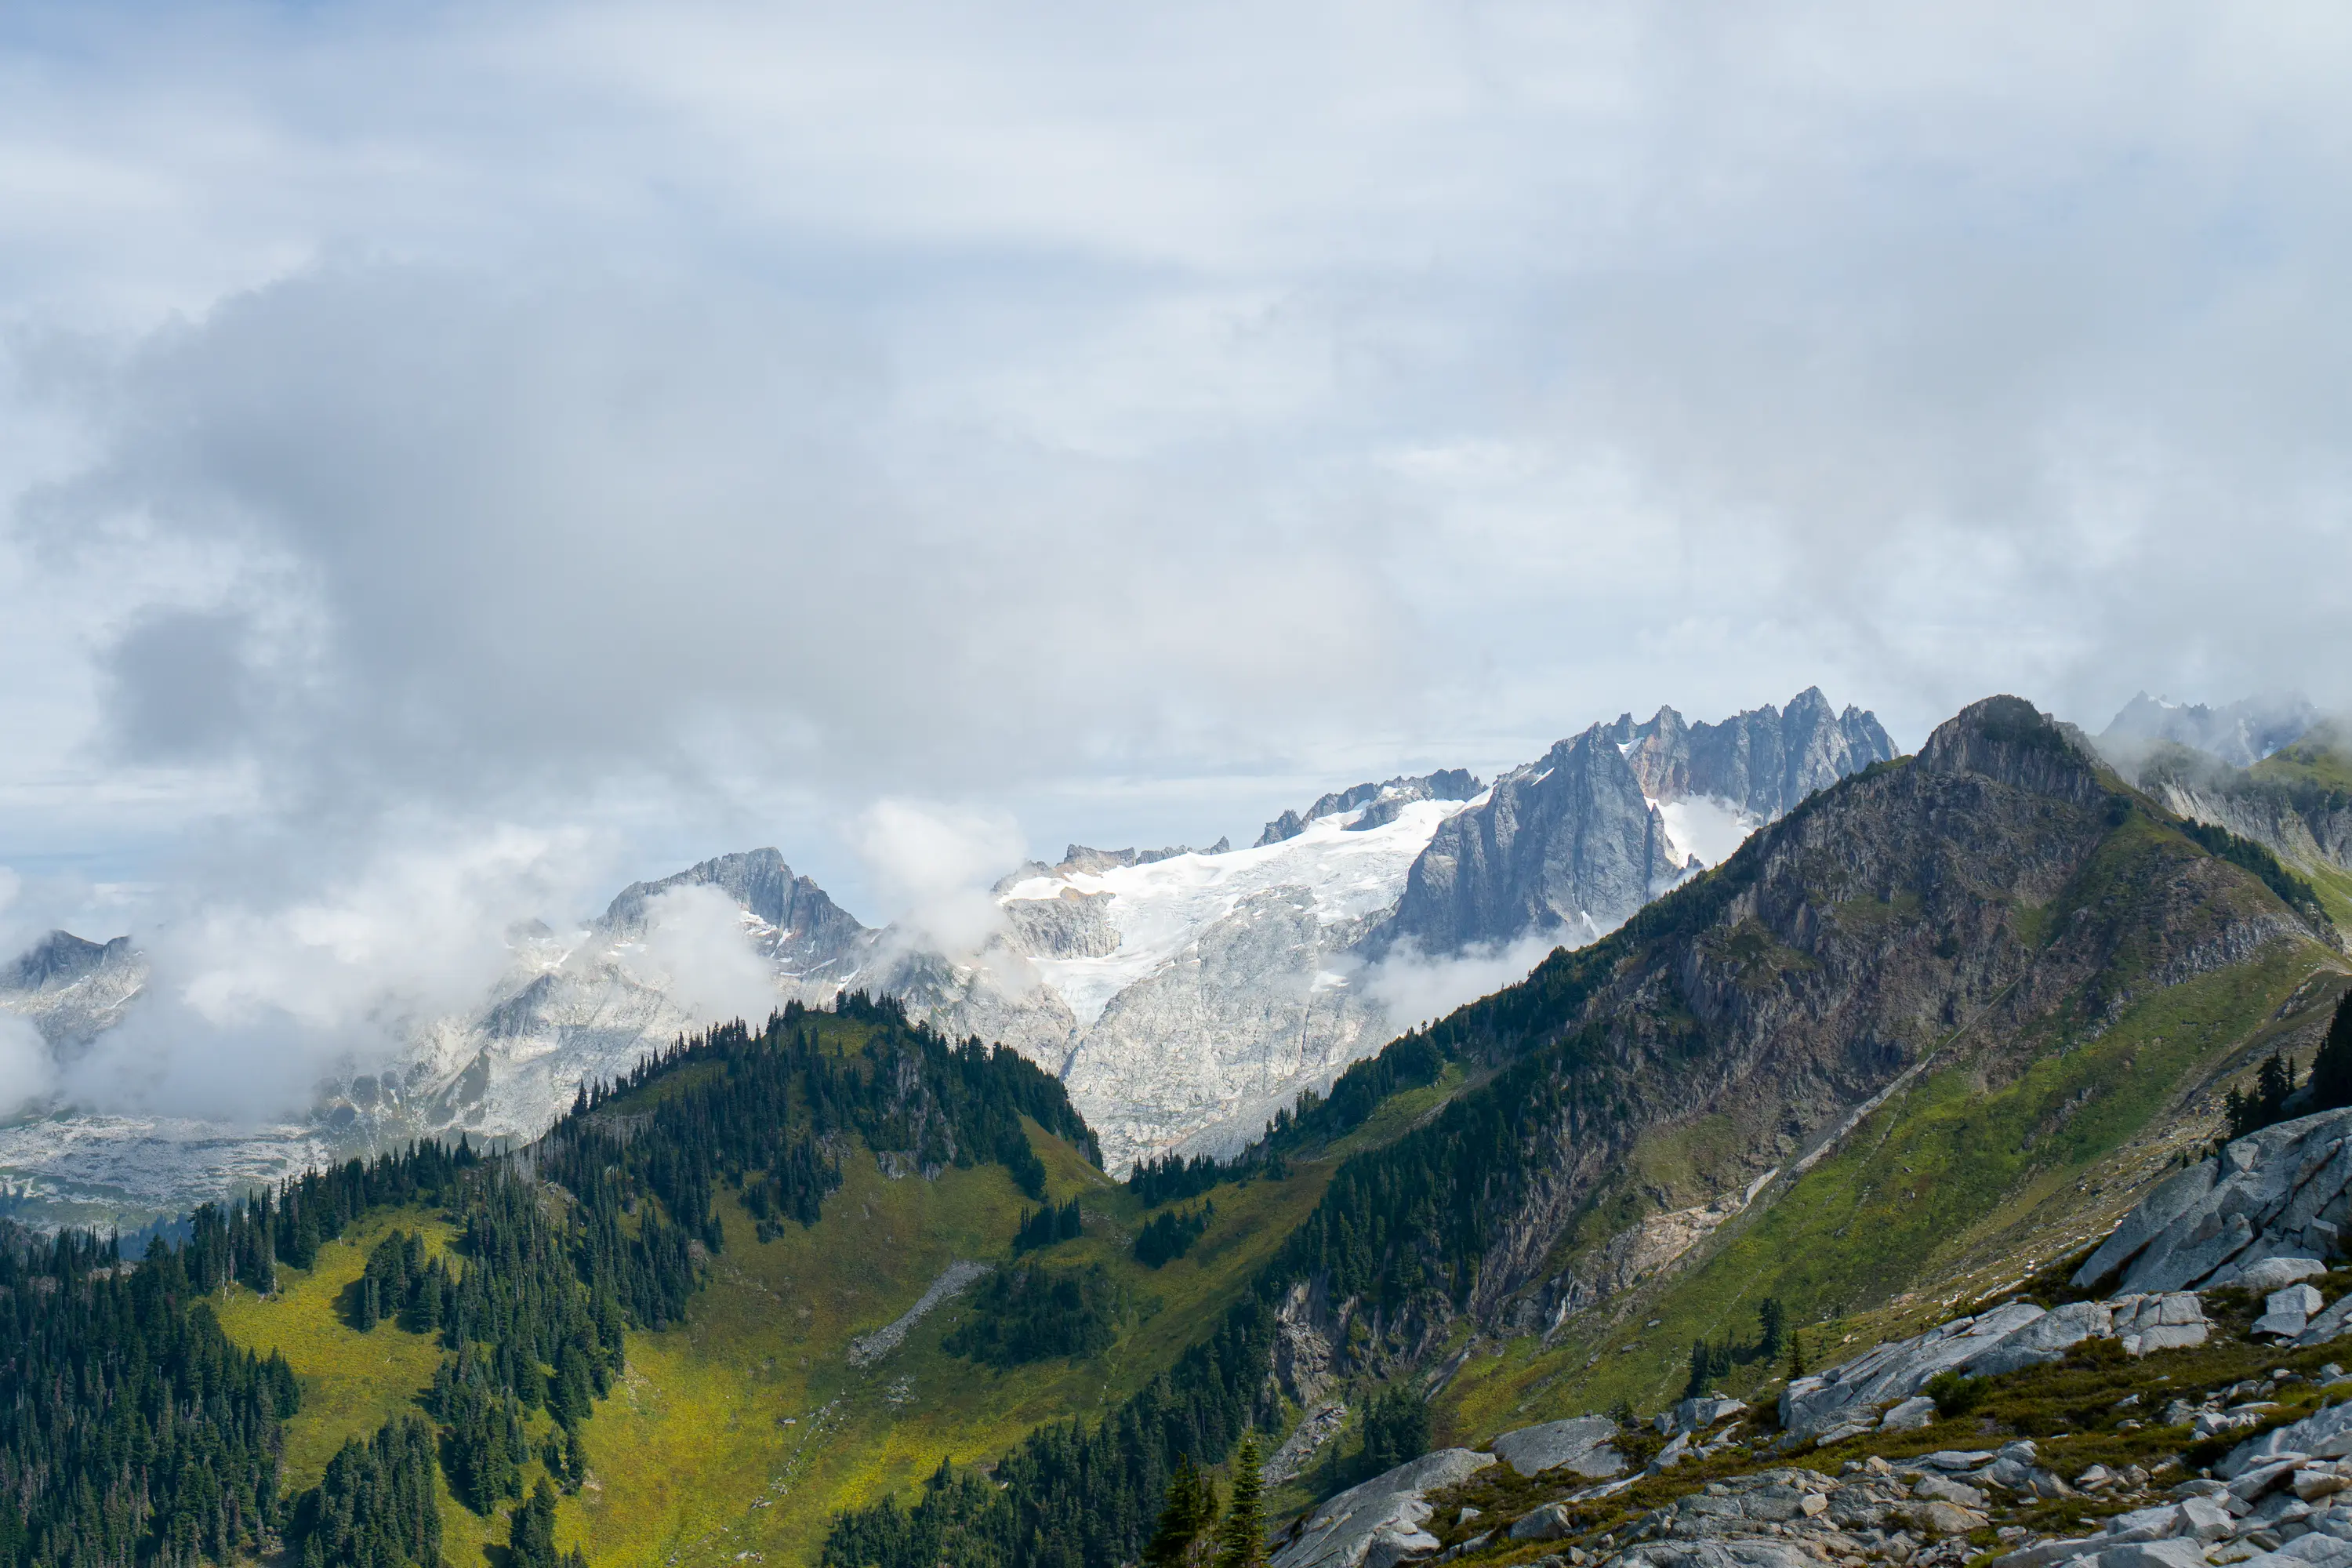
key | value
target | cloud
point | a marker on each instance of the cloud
(1102, 419)
(1417, 988)
(934, 863)
(259, 989)
(694, 948)
(27, 1073)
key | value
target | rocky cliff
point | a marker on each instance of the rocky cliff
(1608, 820)
(1996, 900)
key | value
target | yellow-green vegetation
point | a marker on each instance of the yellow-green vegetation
(1952, 1188)
(747, 1428)
(352, 1382)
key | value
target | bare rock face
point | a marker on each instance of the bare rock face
(1762, 761)
(1569, 844)
(1578, 841)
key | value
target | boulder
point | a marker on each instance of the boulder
(2045, 1338)
(2323, 1434)
(2329, 1324)
(2275, 1273)
(1378, 1523)
(1910, 1414)
(1549, 1523)
(1896, 1370)
(1581, 1446)
(1699, 1415)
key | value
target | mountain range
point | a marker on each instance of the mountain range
(1608, 1261)
(1182, 995)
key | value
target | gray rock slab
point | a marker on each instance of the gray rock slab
(1582, 1444)
(1378, 1523)
(2323, 1434)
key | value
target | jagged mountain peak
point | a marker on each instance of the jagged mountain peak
(59, 958)
(758, 879)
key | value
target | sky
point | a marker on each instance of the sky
(454, 460)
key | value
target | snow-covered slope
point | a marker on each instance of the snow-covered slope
(1206, 989)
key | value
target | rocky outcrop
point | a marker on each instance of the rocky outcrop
(1568, 844)
(1762, 761)
(1583, 1446)
(1378, 1524)
(1576, 841)
(2279, 1192)
(1855, 1397)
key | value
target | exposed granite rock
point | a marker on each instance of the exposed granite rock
(2258, 1199)
(1762, 761)
(1378, 1523)
(1581, 1446)
(1566, 845)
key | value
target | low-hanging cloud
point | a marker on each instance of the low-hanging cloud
(1417, 988)
(28, 1074)
(694, 949)
(935, 863)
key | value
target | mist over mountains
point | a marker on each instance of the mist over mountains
(1182, 995)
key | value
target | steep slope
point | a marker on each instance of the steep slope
(2297, 802)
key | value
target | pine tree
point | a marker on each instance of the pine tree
(1241, 1540)
(2331, 1070)
(1796, 1355)
(1184, 1517)
(1702, 1369)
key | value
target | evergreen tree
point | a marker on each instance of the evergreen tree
(1702, 1371)
(1190, 1508)
(531, 1539)
(1796, 1355)
(1772, 1321)
(1396, 1428)
(1241, 1540)
(2331, 1070)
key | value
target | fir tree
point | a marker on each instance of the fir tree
(531, 1539)
(1190, 1508)
(1241, 1540)
(1772, 1323)
(2331, 1070)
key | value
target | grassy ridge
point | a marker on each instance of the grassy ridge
(746, 1429)
(1957, 1189)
